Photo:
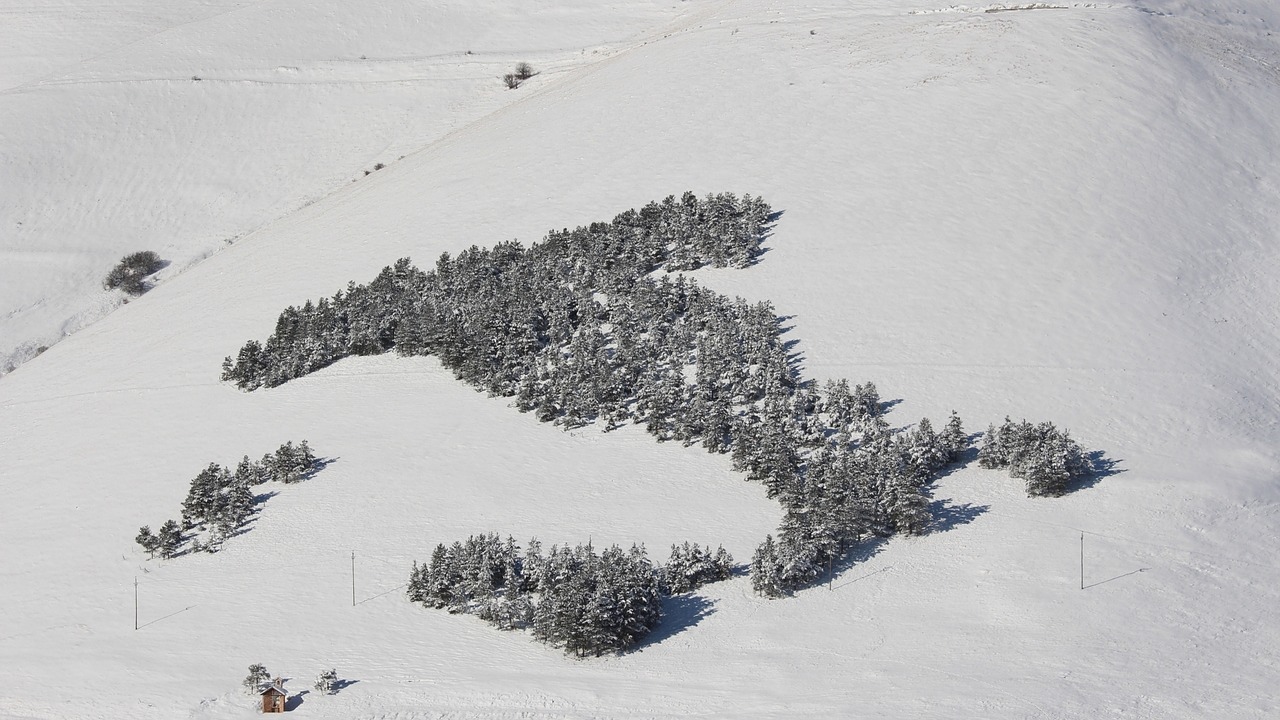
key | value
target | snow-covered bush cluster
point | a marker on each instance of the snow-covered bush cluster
(587, 603)
(690, 567)
(220, 501)
(130, 272)
(1046, 457)
(577, 329)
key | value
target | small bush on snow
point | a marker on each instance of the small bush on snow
(128, 275)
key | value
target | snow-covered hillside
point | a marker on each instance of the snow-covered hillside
(1062, 213)
(179, 127)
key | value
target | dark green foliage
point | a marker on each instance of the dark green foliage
(256, 679)
(169, 539)
(148, 541)
(589, 325)
(220, 502)
(588, 604)
(1044, 456)
(131, 271)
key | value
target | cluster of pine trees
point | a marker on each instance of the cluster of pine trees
(690, 567)
(577, 329)
(574, 598)
(1046, 457)
(487, 312)
(220, 501)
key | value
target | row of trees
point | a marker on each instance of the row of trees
(577, 329)
(220, 501)
(259, 679)
(572, 597)
(1047, 458)
(487, 310)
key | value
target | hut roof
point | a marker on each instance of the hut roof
(272, 687)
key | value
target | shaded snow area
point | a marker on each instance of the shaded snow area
(1062, 213)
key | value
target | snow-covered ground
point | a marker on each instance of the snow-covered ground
(179, 127)
(1058, 213)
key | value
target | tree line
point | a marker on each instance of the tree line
(595, 325)
(221, 501)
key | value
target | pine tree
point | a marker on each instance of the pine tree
(766, 576)
(148, 541)
(953, 438)
(326, 682)
(417, 589)
(258, 676)
(169, 538)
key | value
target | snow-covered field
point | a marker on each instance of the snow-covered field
(1064, 213)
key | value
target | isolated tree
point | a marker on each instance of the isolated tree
(257, 677)
(326, 681)
(129, 273)
(524, 71)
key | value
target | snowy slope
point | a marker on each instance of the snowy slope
(1055, 213)
(180, 127)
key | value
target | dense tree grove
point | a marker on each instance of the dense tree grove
(690, 567)
(586, 603)
(220, 501)
(1046, 457)
(581, 328)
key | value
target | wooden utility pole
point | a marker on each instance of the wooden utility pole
(135, 602)
(1082, 560)
(353, 578)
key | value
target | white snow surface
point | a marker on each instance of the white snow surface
(1067, 211)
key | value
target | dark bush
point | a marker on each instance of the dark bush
(511, 81)
(524, 71)
(130, 273)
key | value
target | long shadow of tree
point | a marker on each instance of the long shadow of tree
(679, 613)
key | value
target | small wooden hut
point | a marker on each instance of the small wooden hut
(273, 697)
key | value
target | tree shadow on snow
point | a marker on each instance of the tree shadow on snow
(856, 555)
(948, 515)
(1103, 467)
(766, 232)
(340, 685)
(320, 464)
(679, 613)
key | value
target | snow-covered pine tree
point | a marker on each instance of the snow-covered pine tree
(326, 682)
(953, 438)
(257, 677)
(766, 575)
